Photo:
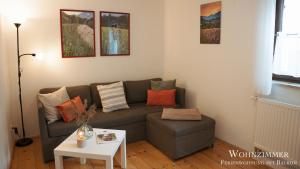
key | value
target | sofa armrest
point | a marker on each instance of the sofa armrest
(180, 97)
(42, 120)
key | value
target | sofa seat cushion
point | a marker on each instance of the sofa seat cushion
(180, 128)
(136, 113)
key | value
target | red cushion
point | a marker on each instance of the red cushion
(69, 109)
(161, 97)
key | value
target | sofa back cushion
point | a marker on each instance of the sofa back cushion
(136, 91)
(83, 91)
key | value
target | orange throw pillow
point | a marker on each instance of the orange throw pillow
(161, 97)
(68, 110)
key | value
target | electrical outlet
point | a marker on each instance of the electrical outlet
(15, 129)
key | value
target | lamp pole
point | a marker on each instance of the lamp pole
(23, 141)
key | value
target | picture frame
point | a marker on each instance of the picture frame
(210, 26)
(77, 28)
(114, 33)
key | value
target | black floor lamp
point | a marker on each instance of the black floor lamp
(22, 141)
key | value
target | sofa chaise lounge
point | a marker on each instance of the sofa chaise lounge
(133, 120)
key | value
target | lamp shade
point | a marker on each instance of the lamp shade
(14, 11)
(18, 19)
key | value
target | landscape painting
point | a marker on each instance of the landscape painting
(114, 33)
(77, 33)
(210, 27)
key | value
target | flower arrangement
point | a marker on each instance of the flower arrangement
(84, 117)
(85, 131)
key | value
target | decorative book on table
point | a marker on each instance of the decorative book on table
(106, 137)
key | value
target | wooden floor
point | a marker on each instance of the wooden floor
(140, 155)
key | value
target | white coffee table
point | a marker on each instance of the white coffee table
(92, 150)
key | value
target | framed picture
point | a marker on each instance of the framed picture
(210, 27)
(114, 33)
(77, 33)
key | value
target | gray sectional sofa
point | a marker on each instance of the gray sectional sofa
(133, 120)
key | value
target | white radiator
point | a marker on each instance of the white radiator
(278, 127)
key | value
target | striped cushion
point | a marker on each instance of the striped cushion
(112, 97)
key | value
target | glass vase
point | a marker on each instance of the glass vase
(84, 132)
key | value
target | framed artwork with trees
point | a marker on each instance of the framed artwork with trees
(114, 33)
(77, 33)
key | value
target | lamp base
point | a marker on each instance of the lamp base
(24, 142)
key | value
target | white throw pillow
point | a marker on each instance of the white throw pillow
(51, 100)
(112, 97)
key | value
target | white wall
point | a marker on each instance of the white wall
(41, 33)
(5, 118)
(219, 78)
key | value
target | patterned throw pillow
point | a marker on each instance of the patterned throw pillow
(112, 97)
(51, 100)
(163, 85)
